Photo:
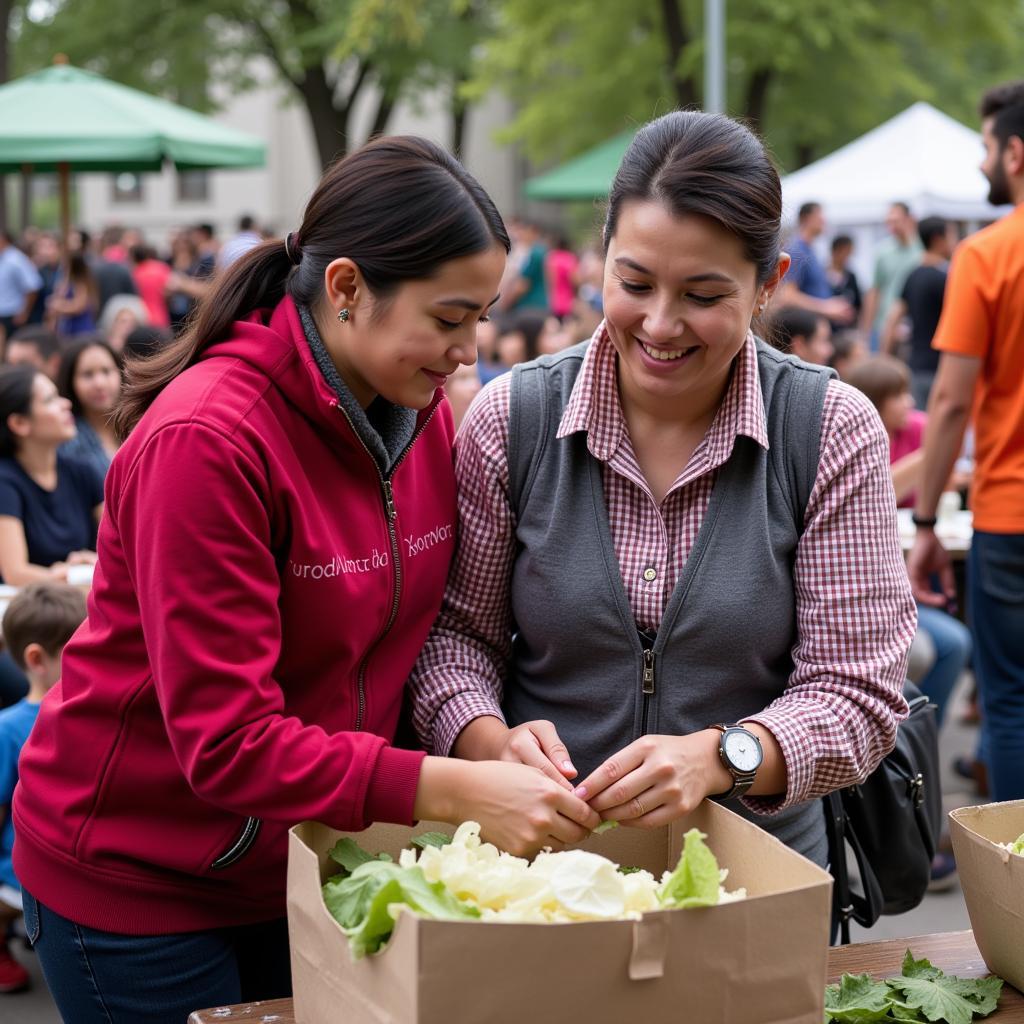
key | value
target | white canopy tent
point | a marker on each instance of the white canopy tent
(922, 157)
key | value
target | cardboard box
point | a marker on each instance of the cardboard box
(760, 959)
(993, 883)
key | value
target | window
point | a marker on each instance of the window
(193, 186)
(127, 188)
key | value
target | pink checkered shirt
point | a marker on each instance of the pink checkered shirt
(855, 615)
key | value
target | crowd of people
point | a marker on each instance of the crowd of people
(292, 565)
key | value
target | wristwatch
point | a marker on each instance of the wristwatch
(740, 751)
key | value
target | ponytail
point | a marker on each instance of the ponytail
(256, 280)
(399, 207)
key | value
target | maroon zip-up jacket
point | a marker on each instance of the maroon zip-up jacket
(262, 593)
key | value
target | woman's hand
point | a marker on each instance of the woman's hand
(536, 744)
(657, 779)
(519, 808)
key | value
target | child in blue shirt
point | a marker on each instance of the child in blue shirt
(37, 624)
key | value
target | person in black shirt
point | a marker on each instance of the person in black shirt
(50, 503)
(921, 302)
(842, 280)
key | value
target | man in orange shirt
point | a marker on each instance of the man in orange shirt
(981, 338)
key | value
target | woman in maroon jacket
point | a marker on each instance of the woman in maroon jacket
(278, 528)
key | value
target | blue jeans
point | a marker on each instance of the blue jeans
(995, 588)
(952, 642)
(99, 977)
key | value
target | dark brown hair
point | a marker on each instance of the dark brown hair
(1005, 105)
(15, 399)
(399, 207)
(706, 164)
(42, 613)
(880, 378)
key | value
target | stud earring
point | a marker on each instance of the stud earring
(343, 315)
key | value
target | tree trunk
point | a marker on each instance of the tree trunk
(25, 180)
(329, 122)
(677, 39)
(460, 110)
(385, 107)
(804, 154)
(757, 97)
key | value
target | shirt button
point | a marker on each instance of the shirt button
(650, 575)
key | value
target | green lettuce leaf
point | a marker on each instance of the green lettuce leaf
(605, 826)
(1017, 846)
(360, 902)
(857, 999)
(694, 883)
(425, 839)
(349, 854)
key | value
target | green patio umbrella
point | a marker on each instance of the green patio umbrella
(65, 119)
(587, 176)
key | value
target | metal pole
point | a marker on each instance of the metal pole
(714, 56)
(64, 177)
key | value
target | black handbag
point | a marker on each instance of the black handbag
(890, 823)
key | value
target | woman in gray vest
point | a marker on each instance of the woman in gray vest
(678, 573)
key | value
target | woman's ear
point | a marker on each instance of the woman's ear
(776, 276)
(344, 285)
(18, 424)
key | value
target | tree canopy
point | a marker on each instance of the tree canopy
(810, 74)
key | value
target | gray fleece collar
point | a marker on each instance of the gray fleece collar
(384, 428)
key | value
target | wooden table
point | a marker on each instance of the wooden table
(952, 952)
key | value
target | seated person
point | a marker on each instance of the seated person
(50, 504)
(37, 625)
(886, 381)
(90, 379)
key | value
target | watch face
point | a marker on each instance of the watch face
(742, 749)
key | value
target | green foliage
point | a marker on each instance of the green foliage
(327, 51)
(812, 74)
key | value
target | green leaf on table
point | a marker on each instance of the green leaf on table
(694, 883)
(857, 999)
(982, 993)
(938, 998)
(919, 968)
(435, 839)
(349, 854)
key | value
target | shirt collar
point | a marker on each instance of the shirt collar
(594, 406)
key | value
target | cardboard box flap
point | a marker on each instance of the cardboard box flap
(992, 879)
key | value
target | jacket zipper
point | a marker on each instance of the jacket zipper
(251, 828)
(240, 847)
(390, 515)
(647, 687)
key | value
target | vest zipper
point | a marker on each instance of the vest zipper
(390, 515)
(647, 687)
